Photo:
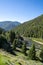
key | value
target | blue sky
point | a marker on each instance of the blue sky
(20, 10)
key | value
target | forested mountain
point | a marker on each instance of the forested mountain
(8, 25)
(32, 28)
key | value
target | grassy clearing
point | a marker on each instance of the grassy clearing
(39, 40)
(3, 60)
(20, 59)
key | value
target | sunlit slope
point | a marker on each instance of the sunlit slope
(20, 59)
(33, 28)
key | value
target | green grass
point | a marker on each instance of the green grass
(3, 60)
(8, 59)
(38, 39)
(34, 39)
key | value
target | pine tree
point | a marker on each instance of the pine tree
(41, 54)
(12, 36)
(24, 48)
(14, 44)
(32, 52)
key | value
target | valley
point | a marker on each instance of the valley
(23, 44)
(21, 32)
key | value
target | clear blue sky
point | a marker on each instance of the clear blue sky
(20, 10)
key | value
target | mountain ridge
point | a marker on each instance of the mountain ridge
(8, 25)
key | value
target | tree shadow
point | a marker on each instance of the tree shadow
(19, 63)
(18, 50)
(13, 53)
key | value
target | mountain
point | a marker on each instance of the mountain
(32, 28)
(8, 25)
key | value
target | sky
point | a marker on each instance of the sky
(20, 10)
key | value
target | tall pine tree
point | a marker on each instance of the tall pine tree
(24, 48)
(14, 44)
(32, 52)
(41, 54)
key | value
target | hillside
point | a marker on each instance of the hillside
(20, 59)
(8, 25)
(32, 28)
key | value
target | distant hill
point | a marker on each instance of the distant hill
(2, 30)
(32, 28)
(8, 25)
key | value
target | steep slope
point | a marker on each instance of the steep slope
(8, 25)
(32, 28)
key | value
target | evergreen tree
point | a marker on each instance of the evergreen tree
(41, 54)
(32, 52)
(24, 48)
(14, 44)
(12, 36)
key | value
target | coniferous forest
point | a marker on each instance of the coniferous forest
(32, 28)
